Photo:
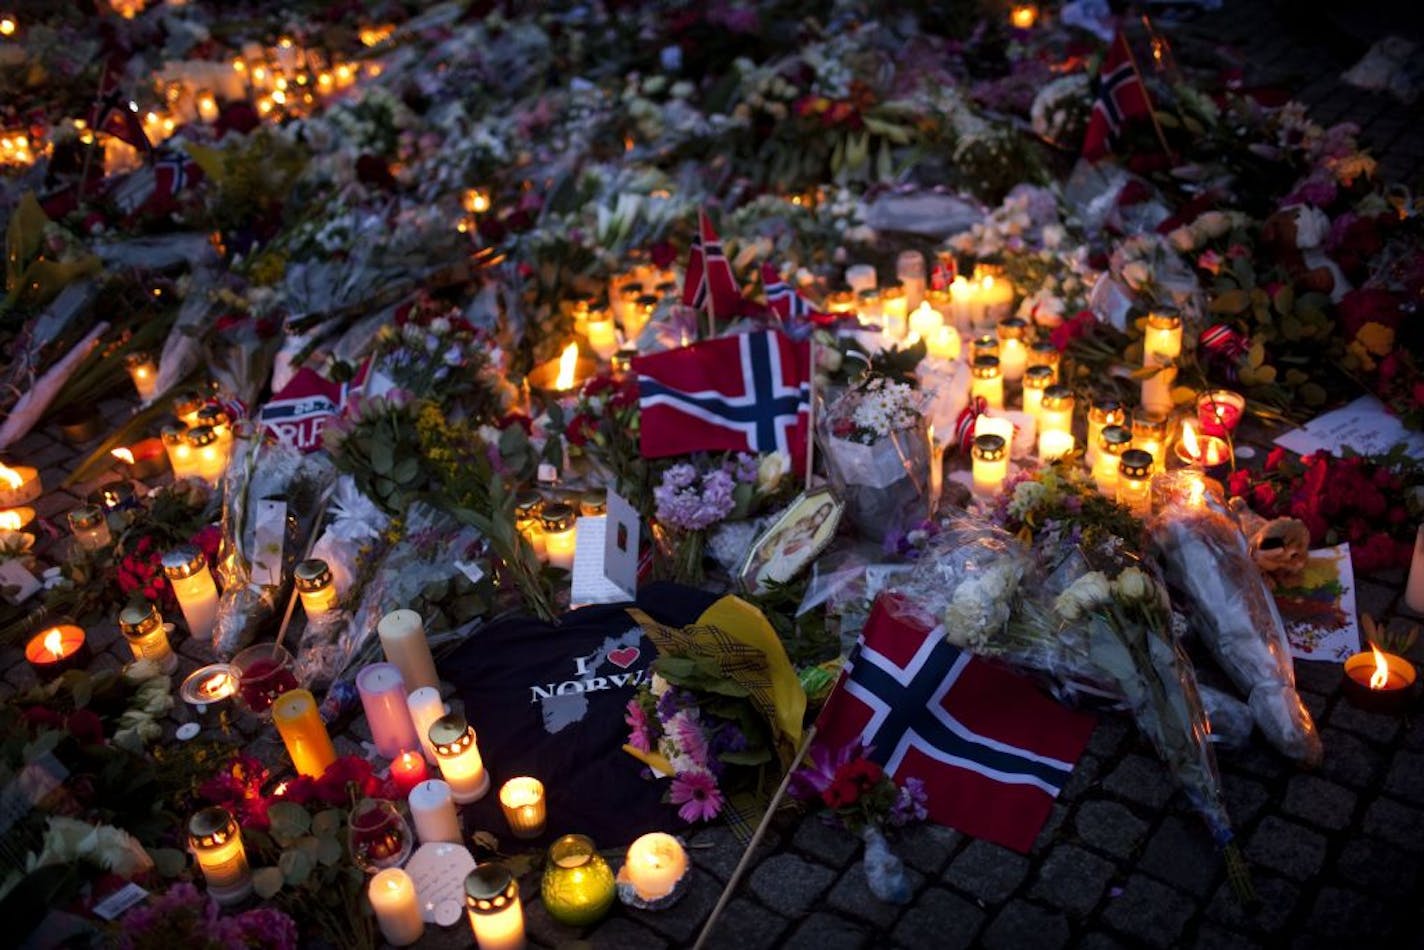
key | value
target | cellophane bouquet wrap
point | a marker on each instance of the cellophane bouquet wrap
(1209, 563)
(877, 454)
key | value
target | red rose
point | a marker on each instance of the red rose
(86, 727)
(662, 254)
(581, 429)
(1069, 330)
(1274, 458)
(840, 794)
(1239, 482)
(1263, 497)
(41, 717)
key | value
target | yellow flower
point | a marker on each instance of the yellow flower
(1376, 338)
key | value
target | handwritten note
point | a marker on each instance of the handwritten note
(439, 870)
(1364, 425)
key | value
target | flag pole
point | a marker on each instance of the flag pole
(1151, 112)
(94, 133)
(811, 415)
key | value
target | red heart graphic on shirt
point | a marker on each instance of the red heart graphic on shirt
(624, 657)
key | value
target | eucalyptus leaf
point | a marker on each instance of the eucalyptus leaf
(328, 850)
(296, 866)
(169, 862)
(382, 458)
(327, 822)
(289, 821)
(266, 882)
(309, 845)
(486, 840)
(406, 471)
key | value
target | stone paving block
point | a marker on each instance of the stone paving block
(1072, 879)
(830, 846)
(1397, 823)
(939, 919)
(1021, 924)
(620, 933)
(1349, 760)
(30, 446)
(927, 848)
(682, 922)
(852, 896)
(1405, 778)
(747, 925)
(1374, 599)
(1149, 912)
(823, 931)
(539, 926)
(987, 872)
(1109, 826)
(1323, 678)
(1244, 797)
(1256, 760)
(1112, 731)
(1052, 827)
(1274, 911)
(1377, 867)
(1372, 726)
(1287, 848)
(53, 505)
(1340, 914)
(1319, 802)
(1098, 940)
(1085, 775)
(1181, 853)
(1141, 780)
(718, 850)
(789, 884)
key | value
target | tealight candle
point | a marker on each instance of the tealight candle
(1013, 353)
(1205, 451)
(459, 758)
(1378, 681)
(1102, 413)
(216, 842)
(144, 373)
(433, 811)
(522, 800)
(1219, 411)
(392, 896)
(578, 886)
(1044, 353)
(528, 505)
(402, 634)
(655, 863)
(1036, 381)
(910, 270)
(57, 649)
(209, 459)
(558, 522)
(187, 571)
(493, 907)
(1134, 482)
(383, 698)
(1055, 423)
(425, 706)
(16, 519)
(143, 629)
(91, 527)
(1114, 441)
(298, 722)
(1149, 433)
(408, 770)
(1161, 346)
(315, 587)
(987, 382)
(19, 485)
(990, 465)
(208, 684)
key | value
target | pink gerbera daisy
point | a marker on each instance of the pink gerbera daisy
(687, 734)
(697, 793)
(637, 721)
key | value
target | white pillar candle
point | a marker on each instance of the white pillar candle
(860, 277)
(383, 698)
(459, 756)
(426, 706)
(655, 863)
(492, 904)
(559, 523)
(144, 373)
(187, 571)
(962, 295)
(1149, 433)
(990, 465)
(1414, 590)
(987, 381)
(1161, 346)
(910, 270)
(1036, 381)
(402, 634)
(392, 894)
(925, 322)
(433, 811)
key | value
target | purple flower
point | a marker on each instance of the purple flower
(687, 734)
(909, 803)
(683, 505)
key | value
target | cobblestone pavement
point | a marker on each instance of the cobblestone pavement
(1336, 854)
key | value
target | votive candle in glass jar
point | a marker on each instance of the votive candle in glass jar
(1103, 412)
(1055, 423)
(527, 506)
(910, 269)
(1149, 433)
(522, 800)
(186, 406)
(209, 459)
(1112, 443)
(187, 571)
(894, 314)
(990, 464)
(298, 722)
(558, 522)
(144, 373)
(1036, 381)
(1161, 346)
(987, 381)
(91, 527)
(315, 587)
(1013, 349)
(180, 454)
(578, 886)
(216, 841)
(1044, 353)
(459, 756)
(493, 907)
(1134, 482)
(142, 627)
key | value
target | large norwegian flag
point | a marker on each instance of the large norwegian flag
(1121, 96)
(992, 750)
(708, 283)
(793, 309)
(744, 393)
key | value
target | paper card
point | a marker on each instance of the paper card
(620, 544)
(17, 583)
(113, 906)
(1364, 425)
(1110, 302)
(439, 870)
(27, 789)
(1319, 613)
(268, 539)
(606, 556)
(471, 570)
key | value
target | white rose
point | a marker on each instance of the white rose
(1132, 585)
(1213, 223)
(1136, 274)
(1311, 227)
(1182, 238)
(770, 470)
(1084, 594)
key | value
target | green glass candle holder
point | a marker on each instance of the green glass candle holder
(578, 886)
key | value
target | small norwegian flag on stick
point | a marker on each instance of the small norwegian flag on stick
(708, 284)
(1122, 96)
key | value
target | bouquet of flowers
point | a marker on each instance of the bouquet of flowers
(688, 502)
(184, 916)
(877, 452)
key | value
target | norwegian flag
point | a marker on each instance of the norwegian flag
(793, 309)
(943, 273)
(1121, 96)
(744, 393)
(966, 422)
(117, 115)
(992, 751)
(155, 188)
(708, 283)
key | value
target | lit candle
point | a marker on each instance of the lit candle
(144, 373)
(1414, 589)
(1013, 353)
(528, 505)
(1161, 346)
(1205, 451)
(558, 522)
(207, 107)
(1044, 353)
(298, 721)
(1023, 15)
(943, 343)
(16, 519)
(990, 465)
(57, 649)
(492, 904)
(186, 406)
(425, 706)
(475, 200)
(602, 338)
(180, 454)
(1219, 411)
(19, 485)
(1377, 681)
(146, 458)
(987, 381)
(1134, 481)
(1055, 423)
(208, 684)
(623, 297)
(1036, 381)
(265, 672)
(867, 305)
(962, 296)
(995, 300)
(985, 344)
(1114, 441)
(209, 459)
(656, 862)
(459, 758)
(383, 698)
(187, 571)
(216, 842)
(402, 634)
(216, 418)
(522, 800)
(142, 627)
(910, 270)
(315, 587)
(894, 314)
(91, 527)
(861, 277)
(925, 322)
(1102, 413)
(1149, 433)
(433, 811)
(392, 895)
(408, 770)
(578, 886)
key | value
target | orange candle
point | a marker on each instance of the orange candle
(57, 649)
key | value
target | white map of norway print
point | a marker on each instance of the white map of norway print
(617, 664)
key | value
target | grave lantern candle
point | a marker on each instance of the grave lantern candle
(1114, 441)
(990, 464)
(1044, 353)
(315, 587)
(90, 526)
(1036, 381)
(1134, 481)
(144, 373)
(1055, 423)
(558, 522)
(987, 381)
(187, 571)
(1161, 346)
(492, 904)
(459, 758)
(142, 627)
(1013, 351)
(1102, 413)
(216, 841)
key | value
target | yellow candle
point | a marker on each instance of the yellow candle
(142, 627)
(1013, 350)
(990, 465)
(144, 373)
(558, 522)
(1023, 16)
(522, 800)
(459, 757)
(315, 587)
(656, 862)
(180, 453)
(402, 635)
(216, 842)
(1114, 441)
(1149, 433)
(187, 571)
(297, 720)
(1036, 381)
(18, 485)
(1134, 482)
(1044, 353)
(1101, 414)
(1161, 346)
(493, 907)
(602, 338)
(392, 896)
(1055, 423)
(209, 459)
(987, 382)
(943, 343)
(91, 527)
(926, 322)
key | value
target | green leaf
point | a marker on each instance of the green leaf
(169, 862)
(328, 850)
(289, 821)
(295, 865)
(327, 822)
(266, 882)
(1312, 394)
(486, 840)
(746, 757)
(1284, 300)
(382, 458)
(1231, 301)
(406, 470)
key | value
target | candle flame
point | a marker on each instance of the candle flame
(476, 201)
(568, 361)
(54, 643)
(1213, 451)
(123, 455)
(1024, 16)
(1189, 440)
(217, 686)
(10, 521)
(10, 477)
(1379, 679)
(987, 282)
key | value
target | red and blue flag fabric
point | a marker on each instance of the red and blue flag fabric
(744, 393)
(993, 752)
(787, 303)
(1121, 97)
(708, 283)
(116, 114)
